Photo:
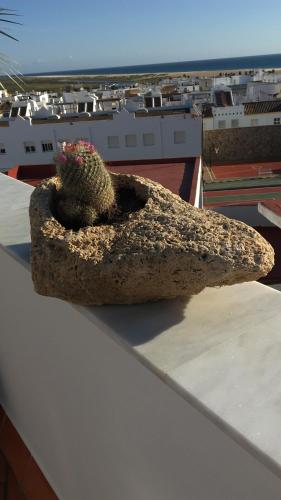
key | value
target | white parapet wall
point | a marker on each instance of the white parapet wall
(269, 215)
(198, 187)
(163, 401)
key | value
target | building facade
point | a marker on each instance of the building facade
(117, 136)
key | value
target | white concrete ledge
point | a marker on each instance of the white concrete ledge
(270, 215)
(158, 401)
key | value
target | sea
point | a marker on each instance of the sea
(269, 61)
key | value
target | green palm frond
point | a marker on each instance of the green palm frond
(6, 65)
(4, 13)
(8, 69)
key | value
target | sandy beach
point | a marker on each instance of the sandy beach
(59, 82)
(192, 74)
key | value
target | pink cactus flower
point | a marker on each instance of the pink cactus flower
(70, 148)
(61, 158)
(87, 146)
(75, 153)
(79, 160)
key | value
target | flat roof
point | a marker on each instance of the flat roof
(242, 170)
(243, 183)
(249, 196)
(175, 174)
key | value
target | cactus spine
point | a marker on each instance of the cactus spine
(86, 186)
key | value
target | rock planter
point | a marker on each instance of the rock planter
(157, 247)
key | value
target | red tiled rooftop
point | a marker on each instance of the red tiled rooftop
(272, 106)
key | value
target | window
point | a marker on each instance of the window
(276, 121)
(148, 102)
(113, 141)
(23, 110)
(254, 122)
(234, 123)
(81, 107)
(90, 107)
(2, 149)
(14, 112)
(148, 139)
(157, 101)
(29, 147)
(221, 124)
(179, 136)
(131, 140)
(47, 146)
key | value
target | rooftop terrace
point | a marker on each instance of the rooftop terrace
(181, 176)
(238, 184)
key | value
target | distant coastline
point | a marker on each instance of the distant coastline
(269, 61)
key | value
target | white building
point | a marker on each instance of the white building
(187, 86)
(250, 114)
(262, 91)
(224, 117)
(159, 133)
(266, 76)
(134, 102)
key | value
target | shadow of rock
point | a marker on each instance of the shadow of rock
(20, 252)
(135, 324)
(140, 323)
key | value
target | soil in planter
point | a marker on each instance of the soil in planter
(127, 202)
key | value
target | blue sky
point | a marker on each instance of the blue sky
(61, 34)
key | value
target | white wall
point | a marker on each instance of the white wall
(263, 119)
(97, 131)
(99, 423)
(229, 113)
(198, 202)
(240, 79)
(261, 91)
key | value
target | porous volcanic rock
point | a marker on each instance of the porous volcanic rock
(164, 250)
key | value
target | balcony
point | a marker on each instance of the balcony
(169, 400)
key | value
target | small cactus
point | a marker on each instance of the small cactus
(86, 186)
